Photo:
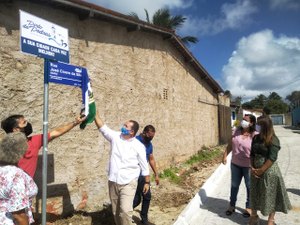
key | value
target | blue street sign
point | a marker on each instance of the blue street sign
(67, 74)
(43, 38)
(43, 50)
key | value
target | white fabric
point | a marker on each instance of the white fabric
(127, 157)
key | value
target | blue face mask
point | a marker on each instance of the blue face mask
(124, 131)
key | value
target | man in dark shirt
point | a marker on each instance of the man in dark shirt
(146, 138)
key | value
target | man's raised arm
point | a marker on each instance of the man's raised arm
(98, 121)
(60, 130)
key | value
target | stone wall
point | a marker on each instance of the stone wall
(135, 75)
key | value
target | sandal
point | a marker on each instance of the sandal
(254, 220)
(247, 213)
(230, 210)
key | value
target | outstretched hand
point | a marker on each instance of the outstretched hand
(79, 119)
(62, 129)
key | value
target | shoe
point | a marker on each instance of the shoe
(230, 210)
(247, 213)
(254, 220)
(145, 222)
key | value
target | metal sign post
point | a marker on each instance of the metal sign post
(49, 41)
(45, 140)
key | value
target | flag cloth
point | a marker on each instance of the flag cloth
(88, 101)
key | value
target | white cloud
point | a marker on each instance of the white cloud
(191, 27)
(128, 6)
(237, 13)
(232, 16)
(285, 4)
(263, 63)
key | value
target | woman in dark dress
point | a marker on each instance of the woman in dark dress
(267, 189)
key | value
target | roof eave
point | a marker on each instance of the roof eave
(133, 24)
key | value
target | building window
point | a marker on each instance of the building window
(165, 93)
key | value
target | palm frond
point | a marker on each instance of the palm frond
(162, 18)
(189, 39)
(177, 21)
(147, 16)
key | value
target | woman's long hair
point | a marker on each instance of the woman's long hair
(266, 129)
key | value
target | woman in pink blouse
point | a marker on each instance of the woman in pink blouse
(240, 146)
(16, 187)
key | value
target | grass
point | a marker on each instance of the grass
(173, 173)
(203, 155)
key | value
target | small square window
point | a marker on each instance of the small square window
(165, 93)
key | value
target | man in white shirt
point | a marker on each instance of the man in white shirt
(127, 161)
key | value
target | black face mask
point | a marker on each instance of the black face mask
(27, 130)
(147, 139)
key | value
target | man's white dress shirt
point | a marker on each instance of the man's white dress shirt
(127, 157)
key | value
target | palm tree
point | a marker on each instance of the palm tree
(163, 18)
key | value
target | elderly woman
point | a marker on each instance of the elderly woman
(16, 187)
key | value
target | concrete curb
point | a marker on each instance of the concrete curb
(190, 211)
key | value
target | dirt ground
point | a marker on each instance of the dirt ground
(168, 199)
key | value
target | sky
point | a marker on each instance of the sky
(250, 47)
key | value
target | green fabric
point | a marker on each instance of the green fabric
(267, 193)
(270, 152)
(92, 112)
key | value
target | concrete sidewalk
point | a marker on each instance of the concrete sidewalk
(209, 205)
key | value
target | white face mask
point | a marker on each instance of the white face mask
(258, 128)
(245, 124)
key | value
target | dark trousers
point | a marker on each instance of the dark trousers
(237, 173)
(139, 195)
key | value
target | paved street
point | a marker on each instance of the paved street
(209, 206)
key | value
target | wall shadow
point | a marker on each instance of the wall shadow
(219, 207)
(292, 127)
(53, 190)
(294, 191)
(102, 217)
